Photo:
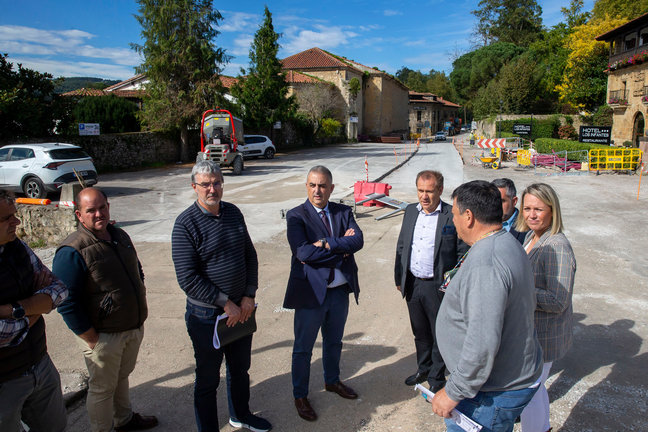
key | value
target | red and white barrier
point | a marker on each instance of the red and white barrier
(492, 143)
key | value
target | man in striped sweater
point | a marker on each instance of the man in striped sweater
(216, 266)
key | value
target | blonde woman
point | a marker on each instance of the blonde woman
(554, 266)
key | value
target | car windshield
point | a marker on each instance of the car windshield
(68, 153)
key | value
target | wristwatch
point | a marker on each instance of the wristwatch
(17, 311)
(323, 243)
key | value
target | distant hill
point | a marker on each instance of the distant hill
(74, 83)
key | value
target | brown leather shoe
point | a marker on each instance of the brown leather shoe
(138, 422)
(305, 410)
(339, 388)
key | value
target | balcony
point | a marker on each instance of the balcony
(618, 99)
(628, 58)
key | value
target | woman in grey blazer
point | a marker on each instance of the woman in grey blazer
(554, 266)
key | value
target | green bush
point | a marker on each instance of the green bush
(330, 127)
(567, 132)
(539, 129)
(114, 114)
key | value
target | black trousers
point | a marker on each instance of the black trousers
(423, 306)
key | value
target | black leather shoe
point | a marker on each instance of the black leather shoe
(342, 390)
(417, 378)
(305, 410)
(436, 387)
(138, 422)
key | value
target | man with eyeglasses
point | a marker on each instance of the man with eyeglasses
(216, 266)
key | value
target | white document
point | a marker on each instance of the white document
(463, 421)
(216, 339)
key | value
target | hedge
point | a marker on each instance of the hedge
(554, 145)
(539, 128)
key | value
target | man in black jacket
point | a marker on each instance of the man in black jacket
(30, 386)
(427, 247)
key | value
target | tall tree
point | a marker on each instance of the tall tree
(181, 62)
(262, 93)
(623, 9)
(515, 21)
(27, 101)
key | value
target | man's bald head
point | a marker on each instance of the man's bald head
(93, 210)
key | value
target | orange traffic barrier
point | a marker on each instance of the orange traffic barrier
(35, 201)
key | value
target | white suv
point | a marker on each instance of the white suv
(257, 145)
(36, 169)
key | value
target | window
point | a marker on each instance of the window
(21, 153)
(643, 36)
(630, 42)
(418, 115)
(418, 130)
(68, 154)
(3, 154)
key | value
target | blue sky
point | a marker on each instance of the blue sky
(91, 38)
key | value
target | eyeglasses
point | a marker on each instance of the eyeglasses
(215, 185)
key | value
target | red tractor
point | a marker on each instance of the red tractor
(220, 136)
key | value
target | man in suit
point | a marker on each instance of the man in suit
(323, 237)
(427, 247)
(509, 212)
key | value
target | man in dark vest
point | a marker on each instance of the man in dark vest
(30, 386)
(106, 309)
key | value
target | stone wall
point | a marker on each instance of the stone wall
(45, 226)
(632, 81)
(116, 152)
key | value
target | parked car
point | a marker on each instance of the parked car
(37, 169)
(257, 145)
(440, 136)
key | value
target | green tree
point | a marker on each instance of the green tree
(181, 62)
(623, 9)
(114, 114)
(27, 101)
(262, 93)
(439, 84)
(515, 21)
(574, 15)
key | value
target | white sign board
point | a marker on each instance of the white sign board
(88, 128)
(353, 119)
(277, 125)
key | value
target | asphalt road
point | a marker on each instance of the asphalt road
(599, 386)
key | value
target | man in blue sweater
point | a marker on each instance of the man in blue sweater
(216, 266)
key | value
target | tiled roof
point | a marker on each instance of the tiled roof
(125, 82)
(619, 31)
(129, 93)
(314, 58)
(420, 97)
(85, 92)
(293, 77)
(227, 81)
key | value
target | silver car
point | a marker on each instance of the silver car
(37, 169)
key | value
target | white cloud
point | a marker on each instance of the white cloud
(239, 21)
(391, 12)
(233, 69)
(322, 37)
(72, 68)
(242, 45)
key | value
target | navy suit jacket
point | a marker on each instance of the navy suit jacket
(310, 265)
(448, 248)
(519, 235)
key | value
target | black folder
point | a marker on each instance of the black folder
(224, 335)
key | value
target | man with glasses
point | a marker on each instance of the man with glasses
(216, 266)
(30, 386)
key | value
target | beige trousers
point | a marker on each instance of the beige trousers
(109, 365)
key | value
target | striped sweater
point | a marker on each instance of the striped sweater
(214, 257)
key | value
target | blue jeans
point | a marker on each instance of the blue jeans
(36, 398)
(495, 411)
(330, 317)
(200, 326)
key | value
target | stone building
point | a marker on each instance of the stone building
(366, 100)
(627, 89)
(428, 114)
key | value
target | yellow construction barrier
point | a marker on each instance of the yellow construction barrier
(524, 157)
(621, 159)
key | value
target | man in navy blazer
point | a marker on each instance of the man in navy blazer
(427, 247)
(509, 212)
(323, 237)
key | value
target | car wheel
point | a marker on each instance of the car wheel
(269, 153)
(34, 188)
(237, 166)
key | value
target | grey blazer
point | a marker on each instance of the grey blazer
(554, 267)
